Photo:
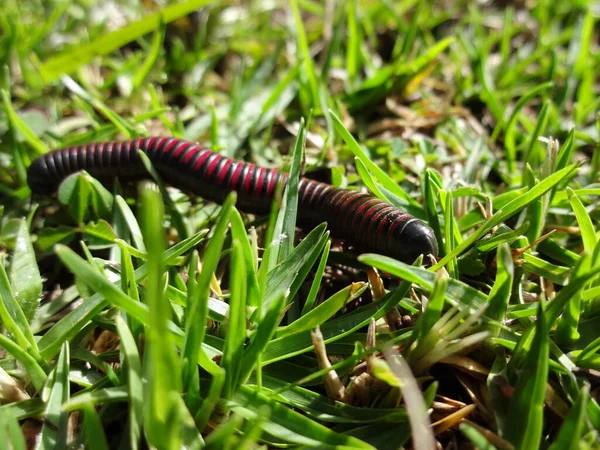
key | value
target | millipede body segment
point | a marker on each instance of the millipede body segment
(366, 222)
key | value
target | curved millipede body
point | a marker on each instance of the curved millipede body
(362, 220)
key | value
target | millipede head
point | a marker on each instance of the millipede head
(413, 240)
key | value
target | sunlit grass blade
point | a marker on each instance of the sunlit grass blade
(528, 399)
(238, 231)
(13, 317)
(509, 210)
(133, 366)
(25, 276)
(499, 296)
(569, 437)
(71, 60)
(289, 425)
(324, 311)
(100, 284)
(281, 277)
(123, 125)
(197, 310)
(588, 234)
(435, 305)
(74, 321)
(355, 148)
(316, 284)
(10, 429)
(236, 323)
(93, 430)
(54, 431)
(333, 330)
(18, 124)
(132, 223)
(308, 76)
(34, 369)
(260, 339)
(457, 293)
(285, 226)
(162, 369)
(142, 73)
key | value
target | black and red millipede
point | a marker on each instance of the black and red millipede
(362, 220)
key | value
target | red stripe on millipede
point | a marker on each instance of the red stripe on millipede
(350, 200)
(189, 155)
(362, 207)
(272, 182)
(236, 174)
(306, 191)
(213, 164)
(201, 159)
(160, 142)
(260, 180)
(379, 231)
(181, 146)
(370, 214)
(378, 220)
(224, 170)
(399, 220)
(150, 142)
(248, 177)
(317, 191)
(333, 201)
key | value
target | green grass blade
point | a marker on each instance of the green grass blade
(100, 284)
(289, 425)
(142, 73)
(457, 292)
(435, 305)
(133, 366)
(238, 231)
(588, 234)
(211, 400)
(19, 124)
(132, 223)
(285, 227)
(197, 311)
(10, 429)
(34, 370)
(355, 148)
(316, 284)
(476, 438)
(569, 437)
(527, 402)
(74, 321)
(280, 279)
(308, 76)
(333, 330)
(260, 339)
(92, 428)
(500, 294)
(324, 311)
(13, 317)
(162, 368)
(71, 60)
(509, 210)
(236, 323)
(54, 431)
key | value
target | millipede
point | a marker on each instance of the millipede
(362, 220)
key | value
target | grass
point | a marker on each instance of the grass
(143, 318)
